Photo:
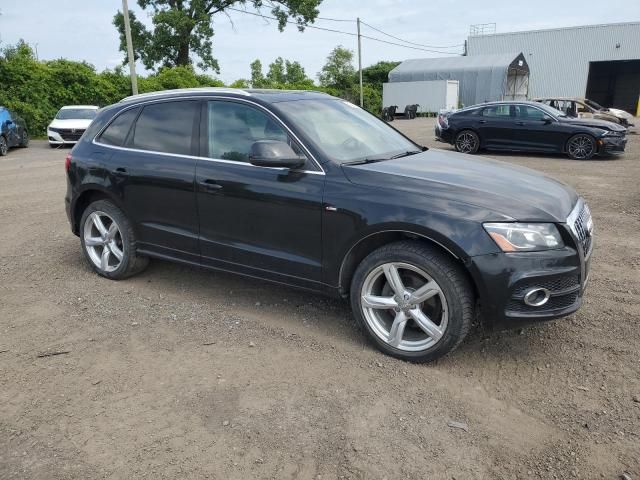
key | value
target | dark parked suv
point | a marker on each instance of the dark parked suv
(13, 131)
(308, 190)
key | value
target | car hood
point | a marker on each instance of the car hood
(72, 123)
(590, 122)
(502, 190)
(619, 113)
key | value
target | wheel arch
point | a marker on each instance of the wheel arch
(86, 197)
(374, 240)
(589, 133)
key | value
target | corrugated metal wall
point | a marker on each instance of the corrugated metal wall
(559, 59)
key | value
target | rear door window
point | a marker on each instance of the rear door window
(116, 133)
(167, 127)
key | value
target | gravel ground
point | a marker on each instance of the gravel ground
(182, 373)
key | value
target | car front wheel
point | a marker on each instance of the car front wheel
(581, 147)
(108, 241)
(467, 142)
(413, 302)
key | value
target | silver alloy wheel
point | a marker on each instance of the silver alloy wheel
(466, 142)
(4, 148)
(404, 306)
(103, 241)
(581, 146)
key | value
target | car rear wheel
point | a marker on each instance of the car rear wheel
(581, 147)
(108, 241)
(413, 302)
(467, 142)
(24, 140)
(4, 146)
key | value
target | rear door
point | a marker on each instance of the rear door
(495, 126)
(154, 170)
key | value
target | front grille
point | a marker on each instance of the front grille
(69, 134)
(583, 228)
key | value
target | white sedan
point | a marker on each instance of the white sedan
(70, 123)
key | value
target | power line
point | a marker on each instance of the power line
(336, 19)
(255, 14)
(407, 46)
(407, 41)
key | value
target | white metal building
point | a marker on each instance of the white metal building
(431, 96)
(600, 62)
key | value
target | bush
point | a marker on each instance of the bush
(37, 89)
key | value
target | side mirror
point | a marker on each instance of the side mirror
(547, 119)
(273, 153)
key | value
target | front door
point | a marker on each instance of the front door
(537, 131)
(255, 220)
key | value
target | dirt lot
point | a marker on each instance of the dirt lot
(181, 373)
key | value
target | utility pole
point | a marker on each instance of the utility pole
(360, 64)
(132, 59)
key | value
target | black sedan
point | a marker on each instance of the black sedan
(530, 127)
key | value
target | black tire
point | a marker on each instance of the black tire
(24, 141)
(131, 263)
(4, 146)
(581, 147)
(467, 141)
(450, 277)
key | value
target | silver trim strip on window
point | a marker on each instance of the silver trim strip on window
(220, 160)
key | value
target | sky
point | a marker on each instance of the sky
(83, 29)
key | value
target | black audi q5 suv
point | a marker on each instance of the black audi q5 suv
(308, 190)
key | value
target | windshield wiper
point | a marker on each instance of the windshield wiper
(365, 161)
(405, 154)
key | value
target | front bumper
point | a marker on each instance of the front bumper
(612, 144)
(506, 278)
(64, 136)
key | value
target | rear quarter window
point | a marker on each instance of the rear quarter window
(116, 133)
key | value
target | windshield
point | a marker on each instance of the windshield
(344, 132)
(593, 104)
(77, 114)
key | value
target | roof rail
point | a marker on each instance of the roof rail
(187, 90)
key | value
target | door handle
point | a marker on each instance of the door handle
(482, 121)
(210, 185)
(519, 123)
(121, 171)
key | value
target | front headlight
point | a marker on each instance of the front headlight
(524, 237)
(612, 133)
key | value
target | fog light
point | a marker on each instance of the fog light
(537, 297)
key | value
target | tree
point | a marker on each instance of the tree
(338, 72)
(276, 74)
(281, 74)
(378, 74)
(183, 29)
(257, 78)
